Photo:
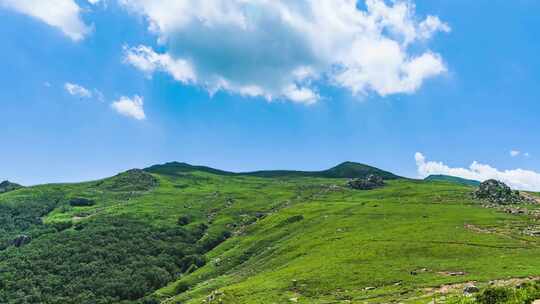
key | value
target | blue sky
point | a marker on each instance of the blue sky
(91, 89)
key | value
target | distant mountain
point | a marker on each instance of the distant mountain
(7, 186)
(177, 168)
(453, 179)
(343, 170)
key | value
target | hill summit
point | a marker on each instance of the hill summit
(7, 186)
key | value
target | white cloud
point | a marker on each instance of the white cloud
(285, 49)
(130, 107)
(77, 90)
(82, 92)
(300, 94)
(517, 178)
(62, 14)
(514, 153)
(431, 25)
(148, 61)
(93, 2)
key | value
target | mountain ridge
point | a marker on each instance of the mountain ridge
(345, 169)
(452, 179)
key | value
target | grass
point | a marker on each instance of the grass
(304, 239)
(350, 241)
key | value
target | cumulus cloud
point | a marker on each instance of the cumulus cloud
(286, 49)
(62, 14)
(77, 90)
(130, 107)
(516, 178)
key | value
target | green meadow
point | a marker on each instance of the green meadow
(176, 234)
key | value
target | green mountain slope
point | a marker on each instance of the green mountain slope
(343, 170)
(453, 179)
(188, 235)
(178, 169)
(7, 186)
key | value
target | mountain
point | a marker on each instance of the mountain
(6, 186)
(343, 170)
(453, 179)
(178, 169)
(177, 233)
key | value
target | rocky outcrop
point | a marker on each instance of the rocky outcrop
(497, 192)
(370, 182)
(470, 288)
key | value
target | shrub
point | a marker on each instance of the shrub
(184, 220)
(81, 202)
(190, 261)
(61, 226)
(496, 295)
(181, 287)
(212, 240)
(294, 219)
(150, 300)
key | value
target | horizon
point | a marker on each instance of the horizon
(209, 167)
(97, 87)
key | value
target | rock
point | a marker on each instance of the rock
(497, 192)
(452, 273)
(294, 300)
(470, 288)
(532, 231)
(370, 288)
(370, 182)
(215, 295)
(21, 240)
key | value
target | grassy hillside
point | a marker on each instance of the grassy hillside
(452, 179)
(184, 235)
